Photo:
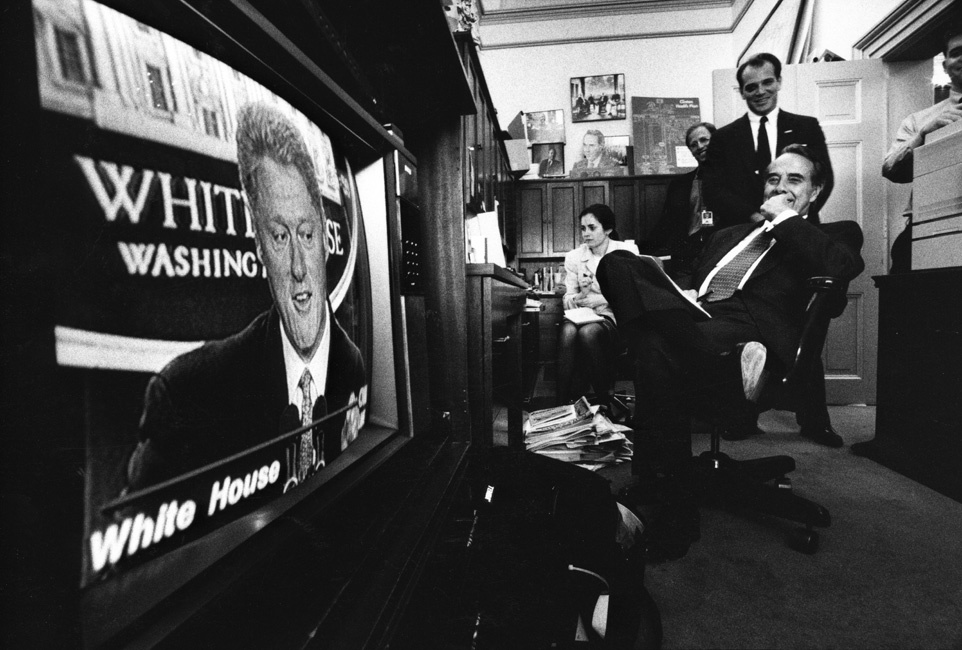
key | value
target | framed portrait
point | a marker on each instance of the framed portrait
(616, 147)
(599, 97)
(549, 159)
(545, 126)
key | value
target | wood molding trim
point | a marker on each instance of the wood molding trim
(908, 32)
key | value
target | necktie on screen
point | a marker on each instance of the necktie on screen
(725, 282)
(763, 155)
(305, 459)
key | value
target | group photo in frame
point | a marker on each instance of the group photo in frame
(549, 158)
(598, 97)
(545, 126)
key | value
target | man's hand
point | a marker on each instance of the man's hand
(948, 115)
(776, 204)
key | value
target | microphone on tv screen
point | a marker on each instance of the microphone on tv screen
(290, 418)
(320, 408)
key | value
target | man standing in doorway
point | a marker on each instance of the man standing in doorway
(741, 151)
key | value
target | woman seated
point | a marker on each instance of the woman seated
(588, 351)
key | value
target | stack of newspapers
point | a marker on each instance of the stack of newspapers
(577, 433)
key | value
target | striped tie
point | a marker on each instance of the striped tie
(726, 281)
(305, 459)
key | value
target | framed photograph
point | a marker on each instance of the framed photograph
(599, 97)
(549, 158)
(595, 159)
(545, 126)
(616, 147)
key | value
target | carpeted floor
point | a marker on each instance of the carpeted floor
(888, 573)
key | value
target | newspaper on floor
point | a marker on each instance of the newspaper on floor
(577, 433)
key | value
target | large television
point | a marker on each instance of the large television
(191, 229)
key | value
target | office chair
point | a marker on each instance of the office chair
(761, 484)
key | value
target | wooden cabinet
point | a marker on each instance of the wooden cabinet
(496, 300)
(547, 211)
(918, 423)
(549, 325)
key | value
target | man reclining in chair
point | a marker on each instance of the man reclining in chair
(751, 279)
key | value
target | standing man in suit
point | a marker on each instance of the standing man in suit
(740, 152)
(751, 279)
(684, 226)
(292, 365)
(898, 165)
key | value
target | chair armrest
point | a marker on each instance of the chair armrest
(828, 301)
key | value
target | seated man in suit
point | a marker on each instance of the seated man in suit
(294, 359)
(751, 279)
(685, 226)
(734, 184)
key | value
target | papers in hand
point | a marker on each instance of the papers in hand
(577, 433)
(667, 282)
(582, 315)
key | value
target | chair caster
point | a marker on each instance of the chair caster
(784, 483)
(804, 540)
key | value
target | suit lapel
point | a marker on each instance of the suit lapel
(273, 360)
(787, 126)
(745, 140)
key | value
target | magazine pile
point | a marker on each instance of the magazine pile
(577, 433)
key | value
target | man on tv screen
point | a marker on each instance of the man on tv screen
(292, 364)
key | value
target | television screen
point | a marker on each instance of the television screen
(212, 300)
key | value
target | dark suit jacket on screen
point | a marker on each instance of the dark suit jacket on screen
(733, 188)
(228, 396)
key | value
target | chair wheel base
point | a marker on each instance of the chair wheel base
(804, 540)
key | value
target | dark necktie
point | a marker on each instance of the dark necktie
(726, 281)
(305, 458)
(695, 203)
(763, 155)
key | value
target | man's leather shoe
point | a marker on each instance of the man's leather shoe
(740, 431)
(823, 435)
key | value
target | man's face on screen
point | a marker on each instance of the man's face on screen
(290, 244)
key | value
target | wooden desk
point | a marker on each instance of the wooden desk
(548, 328)
(918, 418)
(496, 301)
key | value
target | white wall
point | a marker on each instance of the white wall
(839, 24)
(536, 78)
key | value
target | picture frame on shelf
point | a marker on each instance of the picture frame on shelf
(549, 159)
(545, 126)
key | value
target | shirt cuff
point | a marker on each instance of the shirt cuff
(782, 216)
